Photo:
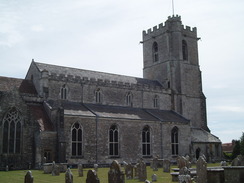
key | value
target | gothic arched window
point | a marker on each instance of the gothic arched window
(129, 99)
(12, 129)
(155, 102)
(98, 95)
(113, 141)
(184, 50)
(76, 141)
(64, 92)
(146, 141)
(174, 141)
(155, 51)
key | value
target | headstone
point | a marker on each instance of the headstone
(184, 175)
(154, 178)
(238, 161)
(28, 177)
(44, 160)
(68, 176)
(201, 168)
(155, 164)
(115, 174)
(136, 171)
(80, 170)
(92, 177)
(166, 165)
(55, 169)
(96, 167)
(147, 181)
(129, 171)
(6, 169)
(142, 171)
(223, 163)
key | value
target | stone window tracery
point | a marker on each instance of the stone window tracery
(146, 141)
(76, 139)
(174, 141)
(129, 99)
(64, 92)
(155, 51)
(155, 102)
(113, 141)
(12, 130)
(98, 95)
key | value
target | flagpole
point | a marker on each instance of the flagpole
(173, 7)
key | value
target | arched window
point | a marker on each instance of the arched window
(174, 141)
(155, 101)
(98, 95)
(113, 141)
(184, 50)
(155, 51)
(129, 99)
(146, 141)
(12, 129)
(76, 134)
(64, 92)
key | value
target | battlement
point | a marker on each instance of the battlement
(105, 82)
(167, 26)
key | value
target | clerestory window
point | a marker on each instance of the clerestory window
(64, 92)
(129, 99)
(155, 101)
(98, 96)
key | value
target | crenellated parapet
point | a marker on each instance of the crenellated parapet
(107, 83)
(172, 24)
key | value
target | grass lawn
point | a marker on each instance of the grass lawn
(17, 176)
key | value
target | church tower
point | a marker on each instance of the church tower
(170, 55)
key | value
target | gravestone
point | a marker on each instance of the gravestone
(201, 168)
(238, 161)
(155, 164)
(55, 169)
(223, 163)
(68, 176)
(142, 170)
(115, 174)
(44, 160)
(92, 177)
(184, 175)
(96, 167)
(147, 181)
(129, 171)
(136, 171)
(6, 168)
(166, 165)
(154, 178)
(80, 170)
(29, 178)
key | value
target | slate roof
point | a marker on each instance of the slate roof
(93, 74)
(24, 86)
(201, 136)
(41, 117)
(117, 112)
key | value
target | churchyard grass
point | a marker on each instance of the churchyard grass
(17, 176)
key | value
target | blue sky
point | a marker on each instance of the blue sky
(104, 35)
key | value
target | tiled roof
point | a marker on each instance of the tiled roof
(41, 117)
(94, 74)
(202, 136)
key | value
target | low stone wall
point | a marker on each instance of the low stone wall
(47, 167)
(234, 174)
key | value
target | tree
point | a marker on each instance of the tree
(236, 149)
(242, 144)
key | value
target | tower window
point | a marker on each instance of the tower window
(146, 141)
(129, 99)
(76, 141)
(64, 92)
(113, 141)
(12, 130)
(184, 50)
(174, 141)
(155, 51)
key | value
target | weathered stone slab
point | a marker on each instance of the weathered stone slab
(29, 178)
(129, 171)
(68, 176)
(92, 177)
(201, 170)
(166, 165)
(80, 170)
(142, 170)
(115, 174)
(234, 174)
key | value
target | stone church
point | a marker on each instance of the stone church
(71, 115)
